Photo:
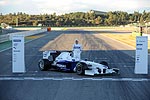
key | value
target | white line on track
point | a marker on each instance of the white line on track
(5, 49)
(72, 79)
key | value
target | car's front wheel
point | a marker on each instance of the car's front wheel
(44, 64)
(80, 69)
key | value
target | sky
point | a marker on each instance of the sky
(67, 6)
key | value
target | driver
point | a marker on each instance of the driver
(77, 48)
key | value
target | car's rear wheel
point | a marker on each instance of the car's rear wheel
(44, 64)
(80, 68)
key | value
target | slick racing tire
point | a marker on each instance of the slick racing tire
(80, 69)
(44, 64)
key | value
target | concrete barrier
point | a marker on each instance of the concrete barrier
(37, 28)
(27, 28)
(148, 35)
(136, 34)
(27, 33)
(4, 38)
(57, 28)
(7, 37)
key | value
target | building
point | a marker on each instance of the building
(97, 12)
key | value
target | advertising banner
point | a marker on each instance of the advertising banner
(141, 57)
(18, 63)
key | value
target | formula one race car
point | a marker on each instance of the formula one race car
(63, 61)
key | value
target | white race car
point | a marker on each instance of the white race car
(63, 61)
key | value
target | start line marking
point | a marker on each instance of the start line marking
(73, 79)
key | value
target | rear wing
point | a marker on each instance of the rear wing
(54, 53)
(46, 54)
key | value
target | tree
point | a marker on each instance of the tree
(141, 20)
(111, 18)
(98, 20)
(75, 19)
(35, 23)
(148, 17)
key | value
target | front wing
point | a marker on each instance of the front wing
(103, 72)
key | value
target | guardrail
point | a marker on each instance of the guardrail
(7, 37)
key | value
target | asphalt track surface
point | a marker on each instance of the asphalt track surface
(54, 85)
